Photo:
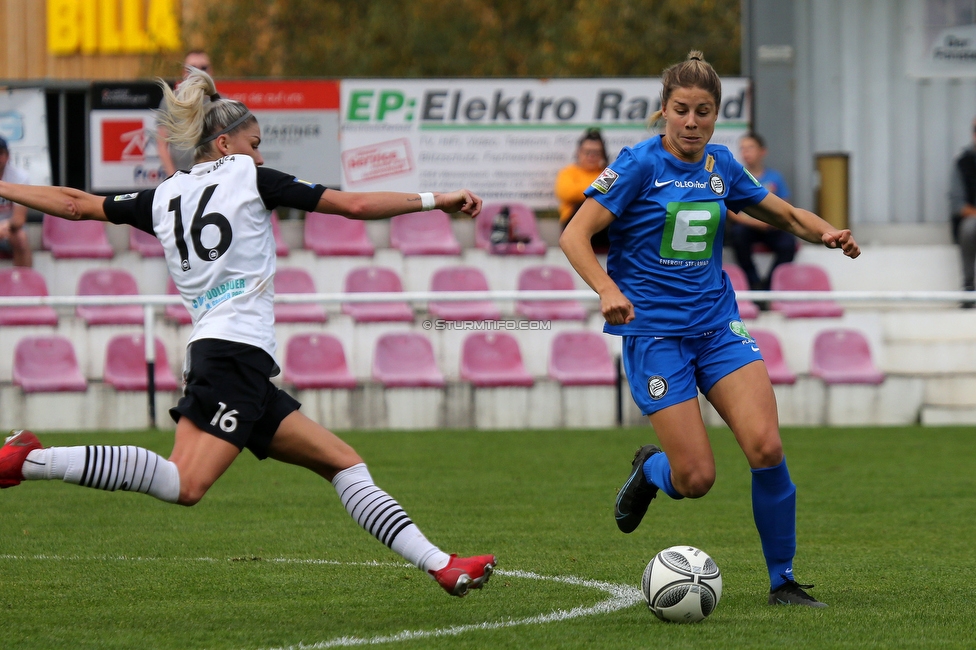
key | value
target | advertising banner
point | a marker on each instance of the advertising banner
(504, 139)
(23, 124)
(940, 38)
(123, 137)
(299, 125)
(299, 130)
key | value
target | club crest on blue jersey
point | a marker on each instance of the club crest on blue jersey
(605, 181)
(716, 184)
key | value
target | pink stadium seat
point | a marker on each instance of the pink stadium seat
(47, 364)
(493, 359)
(406, 360)
(803, 277)
(281, 248)
(296, 280)
(109, 282)
(21, 281)
(125, 364)
(462, 278)
(145, 244)
(333, 234)
(581, 359)
(747, 308)
(772, 353)
(424, 233)
(75, 239)
(316, 361)
(370, 279)
(176, 313)
(548, 278)
(843, 356)
(524, 225)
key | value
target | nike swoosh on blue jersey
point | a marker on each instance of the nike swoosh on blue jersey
(662, 184)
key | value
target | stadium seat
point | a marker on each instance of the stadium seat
(803, 277)
(581, 359)
(315, 361)
(370, 279)
(772, 353)
(548, 278)
(333, 234)
(462, 278)
(747, 308)
(843, 356)
(109, 282)
(125, 364)
(75, 239)
(20, 281)
(406, 360)
(281, 248)
(145, 244)
(296, 280)
(523, 225)
(176, 313)
(47, 364)
(424, 233)
(493, 359)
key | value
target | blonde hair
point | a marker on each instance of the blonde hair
(694, 72)
(195, 115)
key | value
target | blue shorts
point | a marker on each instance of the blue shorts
(664, 371)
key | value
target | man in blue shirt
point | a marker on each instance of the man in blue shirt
(746, 232)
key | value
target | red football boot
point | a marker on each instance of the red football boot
(464, 573)
(13, 453)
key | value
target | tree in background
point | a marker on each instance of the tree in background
(463, 38)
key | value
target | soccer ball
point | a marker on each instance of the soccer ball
(682, 584)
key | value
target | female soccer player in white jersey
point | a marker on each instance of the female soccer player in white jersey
(664, 292)
(214, 222)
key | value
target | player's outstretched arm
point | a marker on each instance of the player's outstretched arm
(382, 205)
(590, 219)
(803, 223)
(64, 202)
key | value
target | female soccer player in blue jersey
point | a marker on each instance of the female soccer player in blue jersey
(665, 202)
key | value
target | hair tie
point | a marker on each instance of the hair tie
(230, 127)
(214, 97)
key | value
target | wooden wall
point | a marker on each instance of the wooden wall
(24, 56)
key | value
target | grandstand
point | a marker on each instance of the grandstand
(921, 355)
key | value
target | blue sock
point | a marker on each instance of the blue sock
(657, 470)
(774, 509)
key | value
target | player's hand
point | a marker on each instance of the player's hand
(615, 307)
(843, 240)
(458, 201)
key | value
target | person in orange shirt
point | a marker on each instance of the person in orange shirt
(591, 159)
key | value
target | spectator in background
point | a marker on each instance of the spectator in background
(962, 201)
(171, 156)
(746, 231)
(591, 159)
(13, 216)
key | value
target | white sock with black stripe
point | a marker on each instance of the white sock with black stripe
(128, 468)
(381, 516)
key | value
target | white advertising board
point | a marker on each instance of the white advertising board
(23, 124)
(504, 139)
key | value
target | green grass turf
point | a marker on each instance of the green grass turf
(886, 522)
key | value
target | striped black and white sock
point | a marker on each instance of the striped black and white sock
(380, 514)
(132, 469)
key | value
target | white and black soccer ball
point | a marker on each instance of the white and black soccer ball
(682, 584)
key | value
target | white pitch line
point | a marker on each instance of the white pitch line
(621, 597)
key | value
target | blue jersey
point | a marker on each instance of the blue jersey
(666, 240)
(773, 181)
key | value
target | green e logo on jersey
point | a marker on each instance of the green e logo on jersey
(689, 230)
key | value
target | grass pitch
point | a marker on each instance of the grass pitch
(269, 559)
